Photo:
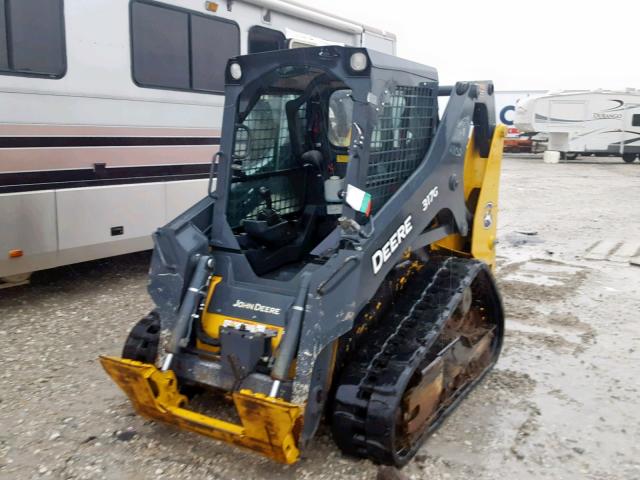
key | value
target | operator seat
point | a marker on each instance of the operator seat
(280, 240)
(269, 228)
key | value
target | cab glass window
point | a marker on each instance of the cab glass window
(340, 117)
(263, 157)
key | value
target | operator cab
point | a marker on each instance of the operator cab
(298, 126)
(289, 159)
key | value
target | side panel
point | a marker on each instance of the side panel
(182, 195)
(60, 227)
(28, 223)
(56, 258)
(59, 164)
(86, 216)
(601, 139)
(568, 111)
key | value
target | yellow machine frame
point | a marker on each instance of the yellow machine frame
(481, 174)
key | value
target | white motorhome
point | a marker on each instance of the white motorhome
(598, 122)
(111, 111)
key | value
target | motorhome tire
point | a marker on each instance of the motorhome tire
(629, 157)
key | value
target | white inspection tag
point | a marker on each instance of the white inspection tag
(358, 199)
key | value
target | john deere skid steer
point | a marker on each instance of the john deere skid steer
(340, 268)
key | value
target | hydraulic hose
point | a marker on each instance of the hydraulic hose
(289, 344)
(190, 302)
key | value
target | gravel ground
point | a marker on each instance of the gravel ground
(562, 402)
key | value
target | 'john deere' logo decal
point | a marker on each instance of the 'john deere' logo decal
(381, 256)
(256, 307)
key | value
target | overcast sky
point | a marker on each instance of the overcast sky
(520, 45)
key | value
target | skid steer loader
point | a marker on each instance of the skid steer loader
(340, 267)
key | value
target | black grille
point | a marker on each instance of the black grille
(400, 140)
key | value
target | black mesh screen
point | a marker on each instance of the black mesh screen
(287, 193)
(400, 140)
(267, 160)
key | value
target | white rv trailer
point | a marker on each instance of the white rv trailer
(110, 113)
(506, 101)
(598, 122)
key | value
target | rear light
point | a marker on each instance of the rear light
(15, 253)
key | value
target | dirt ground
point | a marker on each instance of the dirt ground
(562, 403)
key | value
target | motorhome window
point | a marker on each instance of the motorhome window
(265, 158)
(340, 117)
(179, 49)
(160, 38)
(400, 139)
(4, 55)
(213, 42)
(262, 39)
(32, 41)
(635, 120)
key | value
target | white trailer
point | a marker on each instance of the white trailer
(597, 122)
(506, 101)
(111, 111)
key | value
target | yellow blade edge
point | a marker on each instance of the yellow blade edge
(270, 426)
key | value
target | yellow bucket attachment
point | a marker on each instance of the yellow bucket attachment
(270, 426)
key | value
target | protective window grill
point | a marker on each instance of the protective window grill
(245, 201)
(264, 146)
(400, 140)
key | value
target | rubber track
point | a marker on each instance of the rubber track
(373, 383)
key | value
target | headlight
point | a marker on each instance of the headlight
(236, 71)
(358, 62)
